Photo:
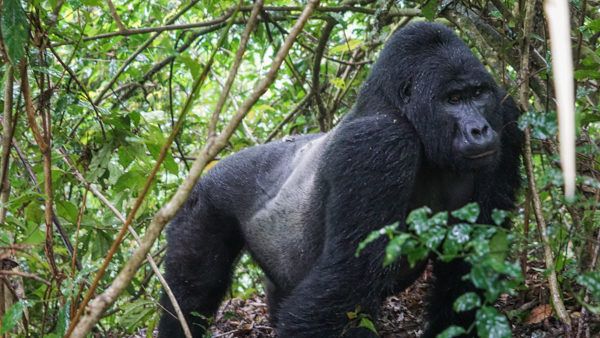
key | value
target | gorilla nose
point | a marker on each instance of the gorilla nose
(478, 140)
(478, 132)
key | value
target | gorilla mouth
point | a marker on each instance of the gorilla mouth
(481, 155)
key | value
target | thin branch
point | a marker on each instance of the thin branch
(135, 235)
(109, 296)
(83, 89)
(131, 87)
(169, 27)
(7, 135)
(44, 142)
(322, 118)
(140, 49)
(115, 16)
(25, 275)
(34, 181)
(299, 107)
(212, 126)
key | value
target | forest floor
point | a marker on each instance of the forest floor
(402, 315)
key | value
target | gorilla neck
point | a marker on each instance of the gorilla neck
(442, 190)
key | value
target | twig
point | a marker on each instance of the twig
(133, 233)
(109, 296)
(322, 118)
(170, 27)
(212, 126)
(289, 117)
(553, 285)
(83, 89)
(131, 87)
(163, 152)
(7, 135)
(25, 275)
(44, 143)
(115, 15)
(141, 48)
(33, 179)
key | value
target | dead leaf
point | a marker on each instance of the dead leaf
(539, 314)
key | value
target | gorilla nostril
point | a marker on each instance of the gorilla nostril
(476, 132)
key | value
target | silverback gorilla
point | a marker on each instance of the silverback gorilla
(430, 127)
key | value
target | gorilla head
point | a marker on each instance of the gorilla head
(435, 81)
(430, 127)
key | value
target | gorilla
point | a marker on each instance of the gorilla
(430, 127)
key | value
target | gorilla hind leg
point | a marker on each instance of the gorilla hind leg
(202, 248)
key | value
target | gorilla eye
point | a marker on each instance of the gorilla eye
(477, 92)
(454, 99)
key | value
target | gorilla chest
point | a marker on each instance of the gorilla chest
(442, 191)
(288, 224)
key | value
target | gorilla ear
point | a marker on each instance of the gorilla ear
(404, 92)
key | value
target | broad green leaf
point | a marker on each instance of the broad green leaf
(389, 229)
(417, 219)
(499, 246)
(63, 320)
(492, 324)
(455, 240)
(434, 236)
(466, 302)
(368, 324)
(452, 331)
(394, 248)
(429, 10)
(498, 216)
(468, 213)
(591, 281)
(15, 29)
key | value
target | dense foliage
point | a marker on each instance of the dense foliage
(94, 89)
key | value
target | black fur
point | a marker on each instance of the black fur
(430, 127)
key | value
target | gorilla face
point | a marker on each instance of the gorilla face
(455, 107)
(433, 79)
(476, 124)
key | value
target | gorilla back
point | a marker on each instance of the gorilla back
(430, 127)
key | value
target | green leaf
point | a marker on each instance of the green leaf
(434, 236)
(429, 10)
(133, 180)
(367, 323)
(62, 323)
(394, 249)
(345, 47)
(498, 216)
(591, 281)
(15, 29)
(418, 220)
(12, 317)
(374, 235)
(499, 246)
(457, 236)
(468, 213)
(466, 302)
(452, 331)
(491, 323)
